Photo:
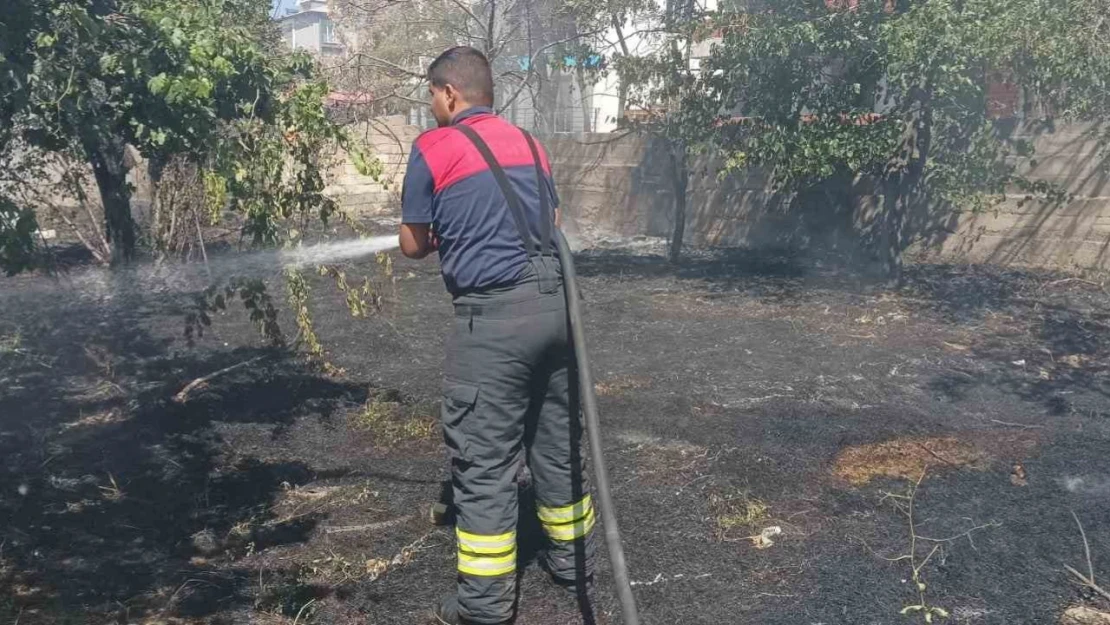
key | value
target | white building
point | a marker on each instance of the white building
(309, 27)
(641, 41)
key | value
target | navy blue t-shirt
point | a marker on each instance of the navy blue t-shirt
(449, 185)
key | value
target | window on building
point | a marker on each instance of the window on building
(327, 32)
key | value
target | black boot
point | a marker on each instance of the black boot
(579, 585)
(447, 613)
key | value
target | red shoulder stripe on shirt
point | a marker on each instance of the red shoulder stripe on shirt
(451, 157)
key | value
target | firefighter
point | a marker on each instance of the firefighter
(479, 191)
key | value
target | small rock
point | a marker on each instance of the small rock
(206, 543)
(1074, 361)
(763, 539)
(1080, 615)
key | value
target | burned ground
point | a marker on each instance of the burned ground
(739, 392)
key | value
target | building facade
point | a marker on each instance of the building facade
(309, 27)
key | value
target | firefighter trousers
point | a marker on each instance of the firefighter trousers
(510, 397)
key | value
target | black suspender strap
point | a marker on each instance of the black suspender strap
(546, 216)
(511, 197)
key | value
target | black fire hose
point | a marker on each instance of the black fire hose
(593, 431)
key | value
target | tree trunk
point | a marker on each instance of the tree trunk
(107, 158)
(680, 170)
(905, 178)
(580, 75)
(896, 204)
(491, 26)
(622, 89)
(543, 116)
(680, 178)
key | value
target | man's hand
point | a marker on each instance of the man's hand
(418, 240)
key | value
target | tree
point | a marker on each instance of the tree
(386, 43)
(599, 43)
(659, 81)
(192, 79)
(831, 95)
(528, 44)
(389, 43)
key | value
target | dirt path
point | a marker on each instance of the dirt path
(766, 422)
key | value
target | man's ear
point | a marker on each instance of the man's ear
(451, 96)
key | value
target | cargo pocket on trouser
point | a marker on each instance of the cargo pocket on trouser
(458, 404)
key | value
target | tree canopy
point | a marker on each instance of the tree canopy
(894, 92)
(195, 79)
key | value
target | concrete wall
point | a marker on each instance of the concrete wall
(622, 185)
(1071, 234)
(388, 139)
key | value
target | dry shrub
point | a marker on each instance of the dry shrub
(905, 458)
(909, 457)
(620, 385)
(737, 514)
(391, 423)
(661, 462)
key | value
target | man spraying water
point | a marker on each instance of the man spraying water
(479, 191)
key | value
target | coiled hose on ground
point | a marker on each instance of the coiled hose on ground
(593, 432)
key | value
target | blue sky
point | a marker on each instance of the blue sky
(281, 5)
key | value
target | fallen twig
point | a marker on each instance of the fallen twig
(1086, 546)
(183, 395)
(1088, 583)
(1018, 425)
(662, 579)
(369, 527)
(301, 611)
(377, 567)
(1080, 280)
(935, 455)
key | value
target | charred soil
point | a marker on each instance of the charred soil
(738, 393)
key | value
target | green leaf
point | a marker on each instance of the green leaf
(157, 84)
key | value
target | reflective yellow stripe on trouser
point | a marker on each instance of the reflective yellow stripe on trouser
(567, 523)
(486, 555)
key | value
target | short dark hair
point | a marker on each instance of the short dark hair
(467, 70)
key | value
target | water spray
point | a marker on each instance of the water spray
(104, 284)
(340, 250)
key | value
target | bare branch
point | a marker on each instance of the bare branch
(532, 64)
(470, 14)
(1089, 583)
(183, 395)
(389, 64)
(369, 527)
(1086, 546)
(968, 533)
(365, 9)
